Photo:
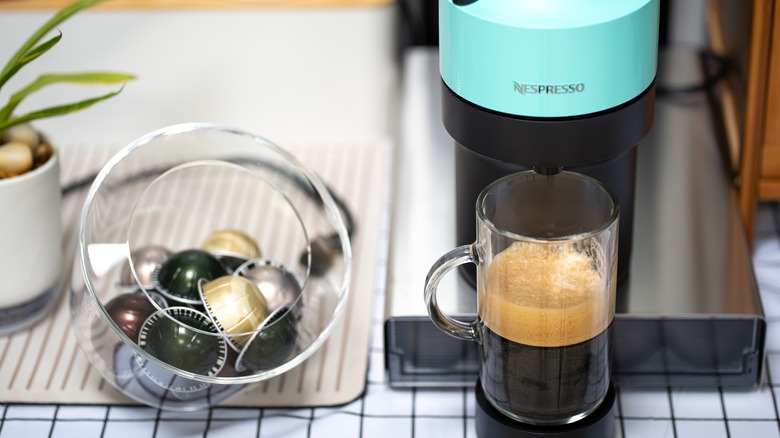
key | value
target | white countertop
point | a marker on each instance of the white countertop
(286, 74)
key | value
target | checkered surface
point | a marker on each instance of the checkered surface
(385, 412)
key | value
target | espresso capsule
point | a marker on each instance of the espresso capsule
(143, 261)
(233, 242)
(183, 338)
(278, 283)
(177, 278)
(129, 311)
(230, 262)
(229, 370)
(272, 345)
(236, 305)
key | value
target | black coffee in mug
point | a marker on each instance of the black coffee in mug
(546, 257)
(545, 314)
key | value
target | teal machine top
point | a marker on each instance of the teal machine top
(548, 58)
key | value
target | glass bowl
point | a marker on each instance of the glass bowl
(208, 259)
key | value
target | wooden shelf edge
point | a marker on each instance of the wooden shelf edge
(19, 5)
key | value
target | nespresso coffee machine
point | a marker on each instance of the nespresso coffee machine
(554, 84)
(694, 316)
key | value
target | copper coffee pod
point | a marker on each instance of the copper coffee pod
(177, 278)
(272, 345)
(130, 310)
(229, 370)
(236, 305)
(229, 261)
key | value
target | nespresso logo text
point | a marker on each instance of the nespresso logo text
(549, 88)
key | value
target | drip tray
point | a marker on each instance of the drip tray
(690, 313)
(691, 351)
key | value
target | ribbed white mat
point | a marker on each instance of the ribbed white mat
(45, 364)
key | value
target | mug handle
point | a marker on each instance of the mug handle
(454, 258)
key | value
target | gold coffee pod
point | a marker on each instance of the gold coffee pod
(236, 305)
(229, 241)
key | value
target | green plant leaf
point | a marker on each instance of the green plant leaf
(29, 57)
(89, 78)
(57, 110)
(62, 15)
(31, 50)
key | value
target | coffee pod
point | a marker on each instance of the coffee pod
(130, 310)
(229, 370)
(125, 365)
(184, 339)
(321, 256)
(177, 278)
(276, 281)
(272, 345)
(236, 305)
(232, 242)
(230, 262)
(173, 392)
(143, 263)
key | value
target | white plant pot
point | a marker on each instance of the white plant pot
(30, 246)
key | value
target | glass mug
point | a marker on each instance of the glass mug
(546, 256)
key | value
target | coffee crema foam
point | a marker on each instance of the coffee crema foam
(547, 295)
